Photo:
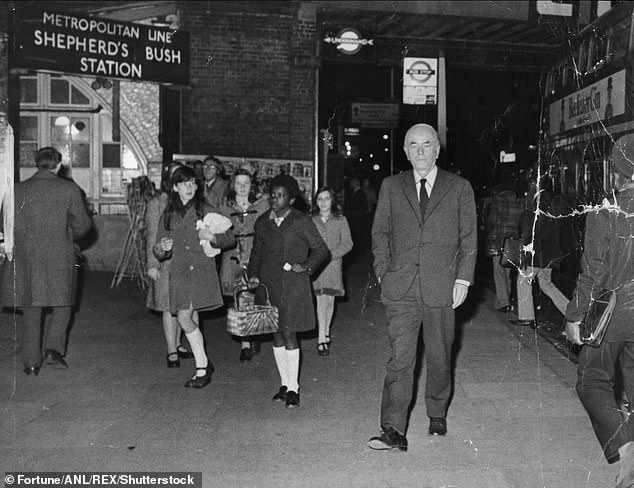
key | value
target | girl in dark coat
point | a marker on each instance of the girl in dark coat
(286, 250)
(193, 279)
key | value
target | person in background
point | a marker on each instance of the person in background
(216, 187)
(502, 220)
(50, 216)
(370, 195)
(286, 250)
(424, 241)
(543, 254)
(193, 279)
(356, 210)
(243, 207)
(334, 230)
(158, 272)
(608, 264)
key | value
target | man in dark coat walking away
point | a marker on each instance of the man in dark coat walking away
(50, 215)
(608, 264)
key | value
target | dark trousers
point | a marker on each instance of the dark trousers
(595, 387)
(53, 336)
(404, 323)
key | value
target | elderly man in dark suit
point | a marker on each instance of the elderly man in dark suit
(424, 241)
(50, 214)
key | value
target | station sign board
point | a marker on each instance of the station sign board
(375, 115)
(95, 46)
(348, 43)
(420, 81)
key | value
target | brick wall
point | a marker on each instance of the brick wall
(252, 79)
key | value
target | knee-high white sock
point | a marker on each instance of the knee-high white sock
(280, 359)
(292, 364)
(197, 344)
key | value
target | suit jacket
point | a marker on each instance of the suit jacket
(442, 247)
(50, 214)
(217, 192)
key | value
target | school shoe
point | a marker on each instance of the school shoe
(389, 438)
(55, 359)
(292, 399)
(201, 381)
(280, 396)
(246, 354)
(32, 370)
(171, 362)
(437, 426)
(184, 353)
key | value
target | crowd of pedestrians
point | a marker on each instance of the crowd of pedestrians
(424, 244)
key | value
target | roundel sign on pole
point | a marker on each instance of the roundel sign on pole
(420, 76)
(349, 41)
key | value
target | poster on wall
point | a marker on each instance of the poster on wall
(264, 170)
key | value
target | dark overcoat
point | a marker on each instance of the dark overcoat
(50, 215)
(193, 279)
(295, 241)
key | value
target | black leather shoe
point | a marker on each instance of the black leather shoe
(32, 370)
(201, 381)
(437, 426)
(184, 353)
(171, 362)
(323, 349)
(246, 354)
(525, 323)
(280, 395)
(292, 399)
(506, 309)
(55, 359)
(390, 438)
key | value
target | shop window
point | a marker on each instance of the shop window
(28, 90)
(619, 39)
(29, 129)
(71, 137)
(63, 93)
(111, 154)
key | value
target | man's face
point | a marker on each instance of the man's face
(210, 169)
(280, 199)
(422, 148)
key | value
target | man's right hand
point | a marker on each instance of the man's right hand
(573, 333)
(153, 273)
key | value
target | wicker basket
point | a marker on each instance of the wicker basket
(248, 320)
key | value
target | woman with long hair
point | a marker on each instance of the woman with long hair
(158, 287)
(243, 207)
(335, 231)
(193, 280)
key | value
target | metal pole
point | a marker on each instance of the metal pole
(391, 130)
(316, 123)
(442, 101)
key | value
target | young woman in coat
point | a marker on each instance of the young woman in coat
(243, 207)
(334, 230)
(158, 287)
(193, 279)
(286, 250)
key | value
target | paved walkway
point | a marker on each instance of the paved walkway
(515, 420)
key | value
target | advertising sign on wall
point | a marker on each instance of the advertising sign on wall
(420, 79)
(95, 46)
(599, 101)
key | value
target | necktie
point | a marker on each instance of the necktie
(423, 198)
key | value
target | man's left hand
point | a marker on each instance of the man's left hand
(459, 294)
